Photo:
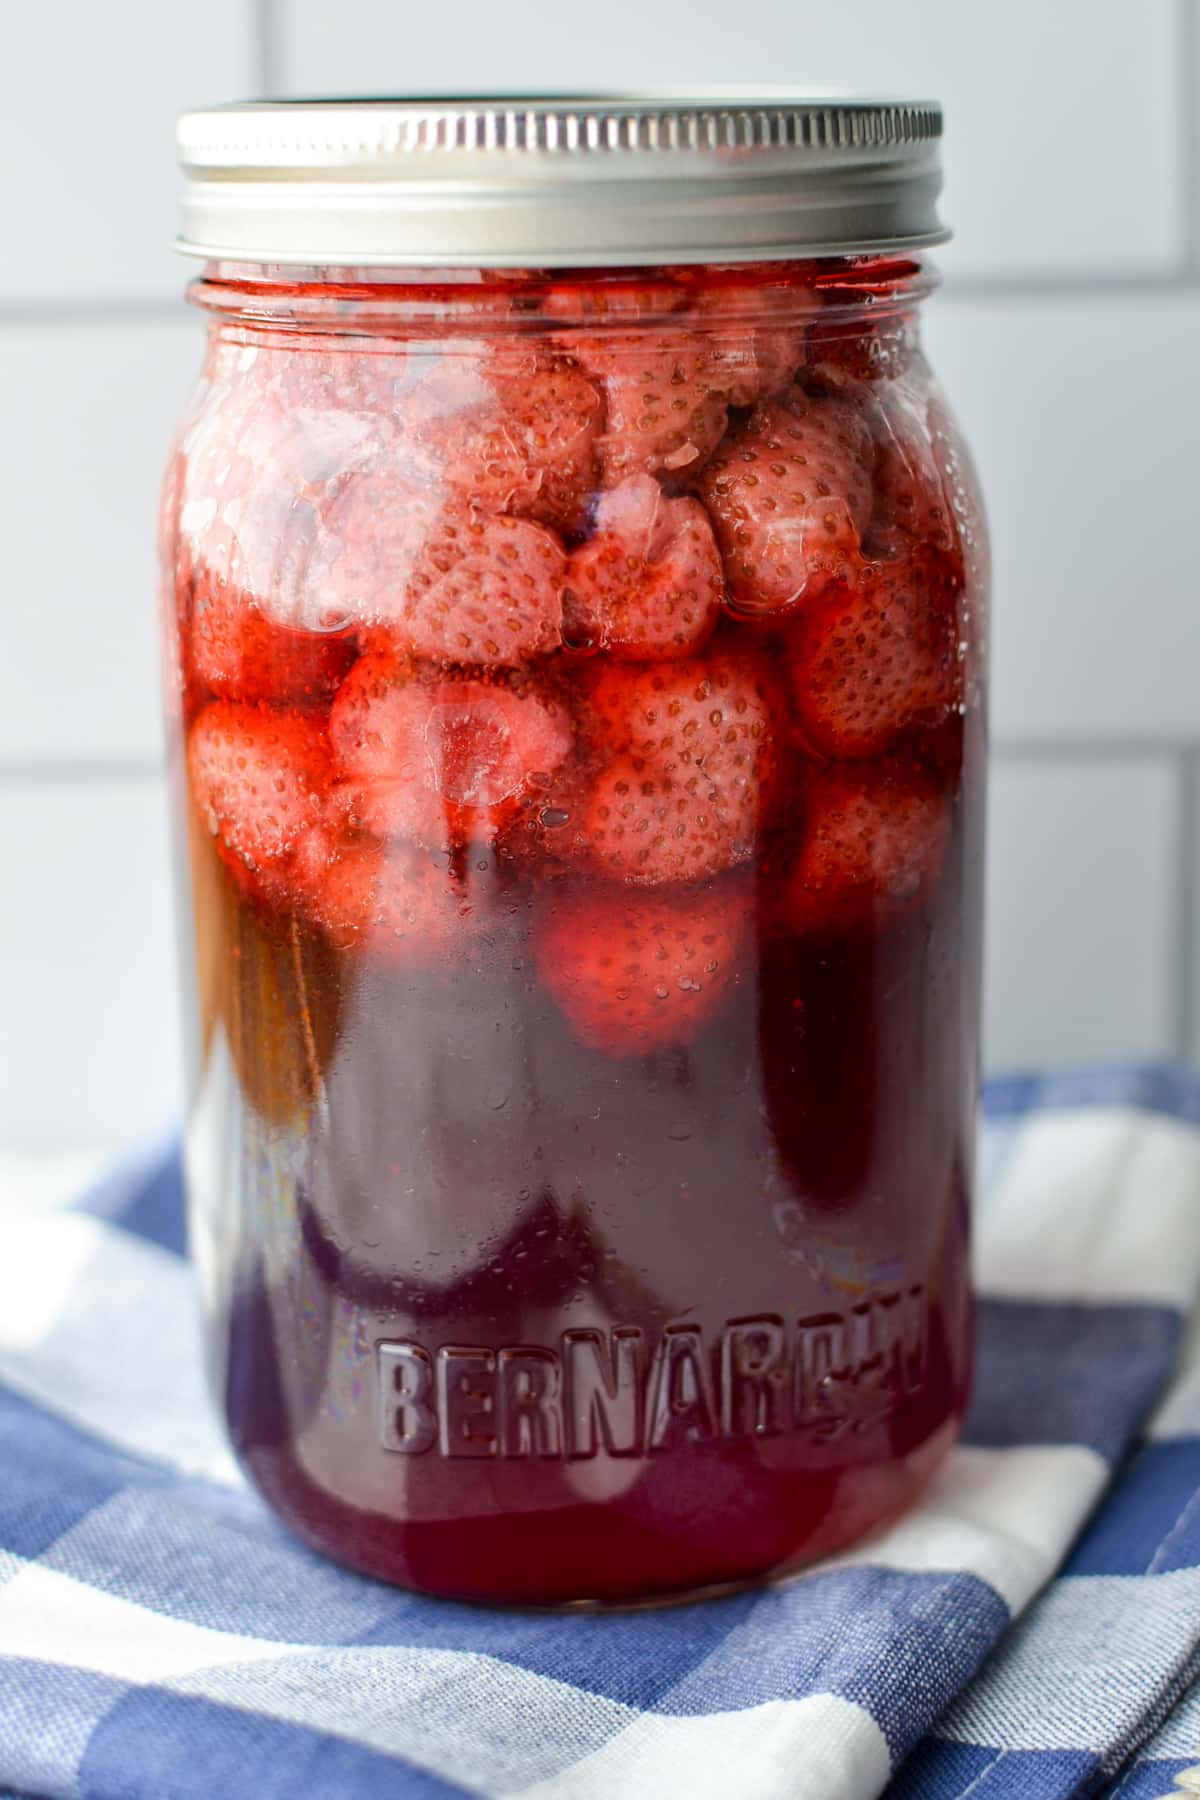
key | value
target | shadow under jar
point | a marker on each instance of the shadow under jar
(575, 653)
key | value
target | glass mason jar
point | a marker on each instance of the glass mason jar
(575, 657)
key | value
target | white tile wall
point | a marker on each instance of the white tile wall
(1067, 335)
(1083, 410)
(86, 132)
(1082, 893)
(90, 1048)
(98, 402)
(1064, 116)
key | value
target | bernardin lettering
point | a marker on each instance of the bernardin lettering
(602, 1385)
(622, 1392)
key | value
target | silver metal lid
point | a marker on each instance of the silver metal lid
(510, 182)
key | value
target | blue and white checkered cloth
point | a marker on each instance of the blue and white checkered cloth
(161, 1638)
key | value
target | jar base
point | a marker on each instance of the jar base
(409, 1557)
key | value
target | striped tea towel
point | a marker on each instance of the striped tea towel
(162, 1637)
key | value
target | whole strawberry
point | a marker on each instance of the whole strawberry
(511, 430)
(875, 838)
(878, 655)
(235, 649)
(790, 496)
(912, 500)
(666, 401)
(394, 900)
(686, 755)
(757, 334)
(499, 604)
(636, 971)
(849, 347)
(260, 781)
(649, 583)
(265, 456)
(442, 762)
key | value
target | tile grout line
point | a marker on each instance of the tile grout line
(60, 1146)
(1093, 749)
(1092, 284)
(80, 771)
(87, 771)
(57, 315)
(1187, 44)
(1187, 897)
(87, 312)
(970, 290)
(1096, 284)
(268, 46)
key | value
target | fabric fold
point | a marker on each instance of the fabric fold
(1030, 1629)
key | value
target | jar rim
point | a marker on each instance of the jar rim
(559, 181)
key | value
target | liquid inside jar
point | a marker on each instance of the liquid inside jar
(577, 689)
